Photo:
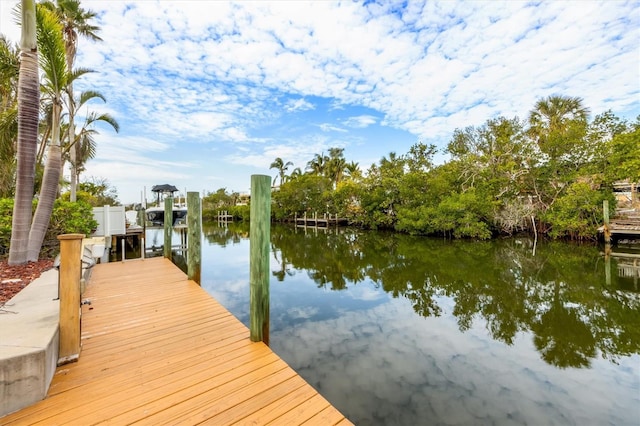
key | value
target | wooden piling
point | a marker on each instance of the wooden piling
(69, 282)
(194, 236)
(168, 226)
(606, 227)
(259, 241)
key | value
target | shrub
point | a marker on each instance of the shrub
(6, 213)
(578, 213)
(66, 218)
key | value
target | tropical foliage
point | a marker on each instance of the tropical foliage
(548, 174)
(38, 135)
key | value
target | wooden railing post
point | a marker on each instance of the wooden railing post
(69, 276)
(194, 235)
(168, 226)
(260, 234)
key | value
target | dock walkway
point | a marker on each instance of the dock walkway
(157, 349)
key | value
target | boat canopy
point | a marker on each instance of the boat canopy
(165, 190)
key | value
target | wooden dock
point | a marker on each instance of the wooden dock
(158, 349)
(623, 227)
(315, 221)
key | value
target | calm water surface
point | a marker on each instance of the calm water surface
(401, 330)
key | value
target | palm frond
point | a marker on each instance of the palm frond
(87, 95)
(51, 51)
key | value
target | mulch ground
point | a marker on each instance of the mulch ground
(15, 278)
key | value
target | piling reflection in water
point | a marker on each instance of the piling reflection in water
(500, 335)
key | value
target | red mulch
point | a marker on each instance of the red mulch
(15, 278)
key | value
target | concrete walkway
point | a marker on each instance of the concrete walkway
(29, 343)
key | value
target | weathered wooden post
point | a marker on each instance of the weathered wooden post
(194, 235)
(69, 276)
(260, 234)
(168, 226)
(606, 227)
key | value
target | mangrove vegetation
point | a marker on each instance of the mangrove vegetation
(546, 175)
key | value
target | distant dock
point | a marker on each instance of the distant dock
(325, 221)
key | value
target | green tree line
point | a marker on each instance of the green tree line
(548, 174)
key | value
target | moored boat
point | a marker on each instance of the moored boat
(155, 215)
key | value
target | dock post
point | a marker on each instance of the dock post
(168, 226)
(607, 229)
(69, 276)
(259, 241)
(194, 235)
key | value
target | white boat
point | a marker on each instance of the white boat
(155, 215)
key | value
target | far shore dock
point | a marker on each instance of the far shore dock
(158, 349)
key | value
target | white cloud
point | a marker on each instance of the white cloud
(298, 105)
(360, 121)
(328, 127)
(214, 72)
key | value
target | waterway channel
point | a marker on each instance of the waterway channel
(401, 330)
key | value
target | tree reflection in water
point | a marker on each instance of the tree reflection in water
(559, 295)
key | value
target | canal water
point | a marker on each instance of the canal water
(401, 330)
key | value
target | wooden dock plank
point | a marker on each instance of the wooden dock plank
(158, 349)
(302, 412)
(282, 405)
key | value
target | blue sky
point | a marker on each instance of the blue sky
(208, 93)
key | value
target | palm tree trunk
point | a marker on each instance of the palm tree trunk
(28, 109)
(49, 189)
(72, 146)
(70, 55)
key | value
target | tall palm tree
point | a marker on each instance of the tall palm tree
(282, 168)
(75, 21)
(28, 108)
(557, 123)
(56, 79)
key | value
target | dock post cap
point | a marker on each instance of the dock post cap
(70, 236)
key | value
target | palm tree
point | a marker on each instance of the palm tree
(83, 142)
(282, 168)
(295, 174)
(557, 123)
(86, 143)
(318, 165)
(353, 170)
(335, 165)
(28, 103)
(56, 79)
(74, 21)
(335, 170)
(9, 73)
